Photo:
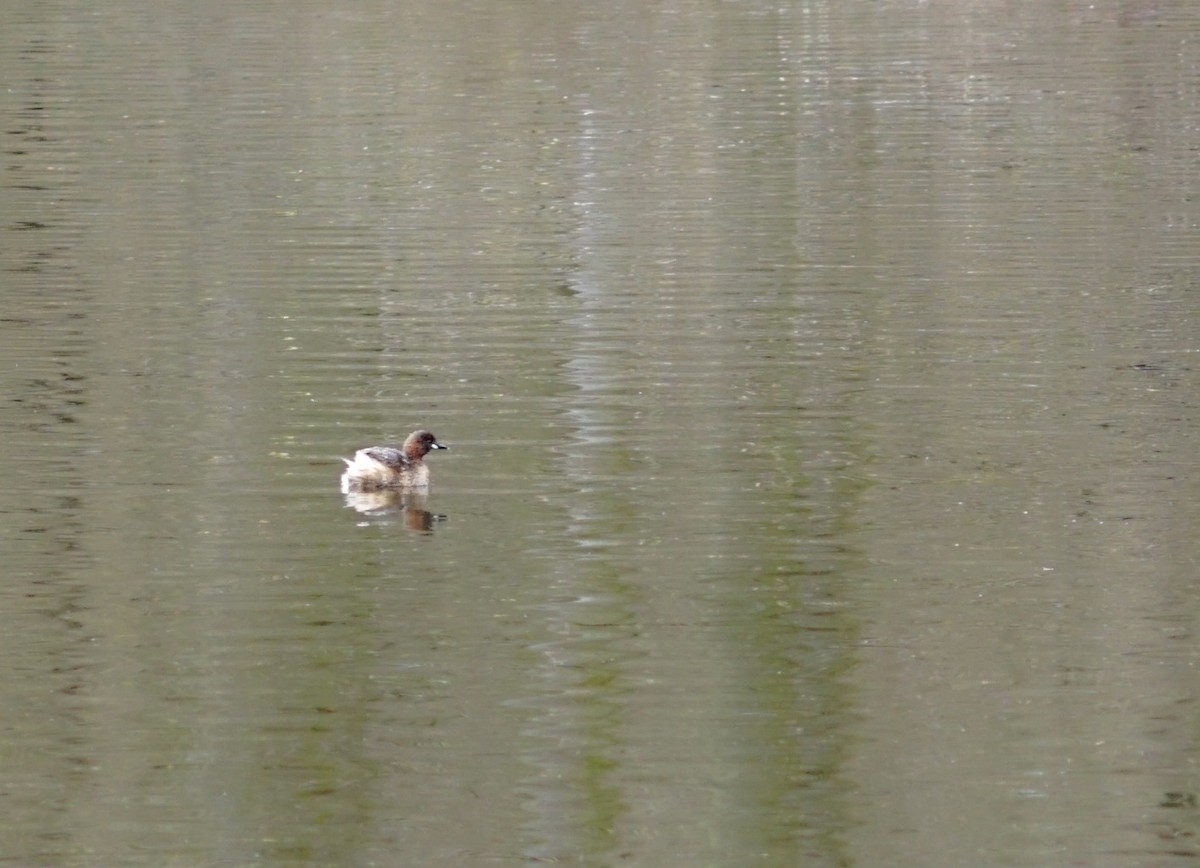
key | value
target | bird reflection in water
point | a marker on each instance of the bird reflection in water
(396, 502)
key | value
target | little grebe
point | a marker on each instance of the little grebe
(380, 467)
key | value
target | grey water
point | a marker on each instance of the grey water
(819, 382)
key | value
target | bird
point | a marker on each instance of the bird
(377, 468)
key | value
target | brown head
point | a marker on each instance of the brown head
(418, 444)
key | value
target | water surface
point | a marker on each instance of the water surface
(818, 381)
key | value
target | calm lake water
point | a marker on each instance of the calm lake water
(819, 382)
